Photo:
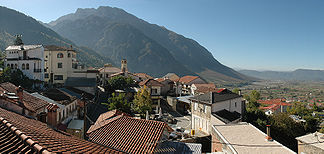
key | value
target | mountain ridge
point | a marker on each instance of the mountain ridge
(13, 22)
(298, 74)
(185, 51)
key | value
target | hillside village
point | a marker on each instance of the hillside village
(68, 107)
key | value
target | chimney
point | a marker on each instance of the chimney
(19, 91)
(52, 114)
(268, 138)
(124, 65)
(211, 97)
(239, 92)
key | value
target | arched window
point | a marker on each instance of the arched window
(11, 66)
(23, 66)
(69, 55)
(16, 66)
(8, 65)
(27, 66)
(60, 55)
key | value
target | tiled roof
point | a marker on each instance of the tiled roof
(127, 134)
(28, 135)
(274, 104)
(220, 95)
(187, 79)
(172, 76)
(59, 96)
(179, 147)
(143, 76)
(205, 87)
(150, 82)
(32, 103)
(56, 48)
(274, 101)
(109, 70)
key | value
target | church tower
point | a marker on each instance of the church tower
(124, 65)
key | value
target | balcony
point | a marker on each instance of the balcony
(37, 70)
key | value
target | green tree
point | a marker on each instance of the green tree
(236, 90)
(142, 101)
(254, 96)
(16, 77)
(119, 83)
(119, 102)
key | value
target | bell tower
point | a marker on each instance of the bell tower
(124, 65)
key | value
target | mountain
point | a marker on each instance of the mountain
(297, 75)
(33, 32)
(96, 29)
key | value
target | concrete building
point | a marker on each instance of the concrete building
(311, 143)
(244, 138)
(28, 58)
(219, 107)
(60, 62)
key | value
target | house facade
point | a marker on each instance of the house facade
(28, 58)
(154, 88)
(211, 108)
(60, 62)
(187, 81)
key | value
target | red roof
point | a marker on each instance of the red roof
(187, 79)
(274, 101)
(128, 134)
(32, 103)
(274, 104)
(22, 135)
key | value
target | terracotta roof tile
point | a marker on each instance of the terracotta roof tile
(32, 103)
(187, 79)
(128, 134)
(150, 82)
(143, 76)
(43, 136)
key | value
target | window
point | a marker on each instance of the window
(23, 66)
(235, 104)
(58, 77)
(27, 66)
(154, 91)
(205, 108)
(8, 65)
(60, 55)
(46, 75)
(69, 55)
(195, 106)
(11, 66)
(59, 65)
(16, 66)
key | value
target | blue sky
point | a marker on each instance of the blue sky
(250, 34)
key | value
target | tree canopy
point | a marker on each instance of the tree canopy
(142, 101)
(119, 102)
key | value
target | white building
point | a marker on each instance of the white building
(28, 58)
(213, 108)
